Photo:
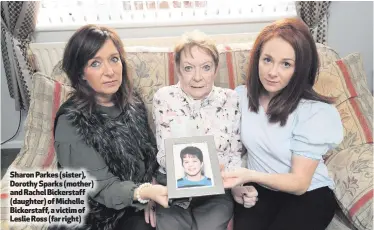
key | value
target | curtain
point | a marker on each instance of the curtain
(315, 14)
(18, 20)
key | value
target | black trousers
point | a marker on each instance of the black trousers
(134, 221)
(275, 210)
(203, 213)
(131, 221)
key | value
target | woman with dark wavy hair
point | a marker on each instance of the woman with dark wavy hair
(103, 129)
(286, 128)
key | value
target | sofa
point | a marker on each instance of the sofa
(152, 67)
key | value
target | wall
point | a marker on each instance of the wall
(351, 30)
(346, 35)
(9, 116)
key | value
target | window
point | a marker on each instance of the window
(60, 14)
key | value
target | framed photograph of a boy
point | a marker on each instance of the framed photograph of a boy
(192, 167)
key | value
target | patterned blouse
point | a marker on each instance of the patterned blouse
(175, 114)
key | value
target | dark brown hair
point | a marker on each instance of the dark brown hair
(297, 34)
(81, 47)
(193, 151)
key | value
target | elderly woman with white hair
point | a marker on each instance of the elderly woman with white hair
(194, 106)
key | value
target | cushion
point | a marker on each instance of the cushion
(357, 118)
(46, 97)
(233, 66)
(326, 55)
(340, 222)
(350, 164)
(343, 79)
(352, 171)
(150, 71)
(59, 75)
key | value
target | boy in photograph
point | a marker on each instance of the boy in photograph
(193, 164)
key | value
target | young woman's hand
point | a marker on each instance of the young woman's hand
(234, 178)
(245, 195)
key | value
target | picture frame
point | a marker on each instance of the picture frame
(192, 167)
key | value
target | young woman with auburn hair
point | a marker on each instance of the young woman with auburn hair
(286, 128)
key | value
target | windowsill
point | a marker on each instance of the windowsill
(168, 23)
(141, 30)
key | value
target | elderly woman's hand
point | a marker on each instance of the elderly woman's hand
(150, 213)
(157, 193)
(245, 195)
